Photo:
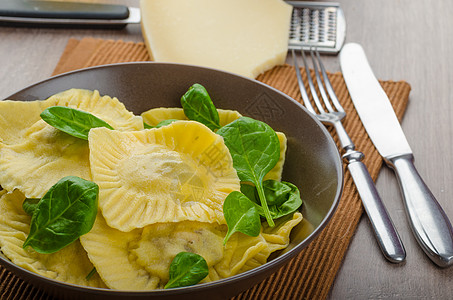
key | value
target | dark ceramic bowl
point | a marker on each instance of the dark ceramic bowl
(312, 162)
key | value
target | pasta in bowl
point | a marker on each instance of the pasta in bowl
(166, 193)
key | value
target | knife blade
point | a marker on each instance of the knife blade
(429, 223)
(66, 14)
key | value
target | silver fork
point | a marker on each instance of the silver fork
(385, 232)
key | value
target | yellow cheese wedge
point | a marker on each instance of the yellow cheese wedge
(246, 37)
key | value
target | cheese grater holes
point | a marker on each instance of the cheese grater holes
(316, 25)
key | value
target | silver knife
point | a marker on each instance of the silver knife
(428, 221)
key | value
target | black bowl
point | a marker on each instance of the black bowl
(312, 163)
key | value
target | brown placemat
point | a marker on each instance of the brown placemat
(310, 274)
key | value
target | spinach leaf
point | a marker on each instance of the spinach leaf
(29, 205)
(72, 121)
(187, 269)
(165, 122)
(67, 211)
(241, 215)
(283, 198)
(91, 274)
(147, 126)
(255, 149)
(198, 106)
(276, 191)
(160, 124)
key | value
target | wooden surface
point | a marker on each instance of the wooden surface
(408, 40)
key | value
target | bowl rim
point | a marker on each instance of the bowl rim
(275, 262)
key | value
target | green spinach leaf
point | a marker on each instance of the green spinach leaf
(147, 126)
(187, 269)
(160, 124)
(29, 205)
(241, 215)
(91, 274)
(283, 198)
(166, 122)
(67, 211)
(198, 106)
(72, 121)
(255, 149)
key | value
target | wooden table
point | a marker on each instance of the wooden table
(408, 40)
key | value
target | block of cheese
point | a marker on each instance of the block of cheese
(246, 37)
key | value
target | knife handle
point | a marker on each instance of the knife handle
(428, 221)
(63, 10)
(386, 234)
(24, 13)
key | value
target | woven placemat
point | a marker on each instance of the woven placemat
(310, 274)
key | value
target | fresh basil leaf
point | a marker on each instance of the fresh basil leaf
(255, 149)
(29, 205)
(283, 197)
(198, 106)
(187, 269)
(67, 211)
(147, 126)
(165, 122)
(241, 215)
(72, 121)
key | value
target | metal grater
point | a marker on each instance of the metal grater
(320, 24)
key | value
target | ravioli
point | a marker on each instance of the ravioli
(140, 259)
(178, 172)
(155, 115)
(16, 117)
(70, 264)
(243, 253)
(161, 192)
(109, 109)
(37, 155)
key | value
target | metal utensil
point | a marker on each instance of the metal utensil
(429, 222)
(386, 234)
(66, 14)
(317, 24)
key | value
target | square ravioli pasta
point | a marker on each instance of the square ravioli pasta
(154, 116)
(35, 155)
(71, 264)
(174, 173)
(140, 259)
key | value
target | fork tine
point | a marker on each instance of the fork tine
(321, 88)
(300, 82)
(311, 85)
(328, 85)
